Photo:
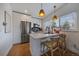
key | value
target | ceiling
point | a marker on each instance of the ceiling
(34, 8)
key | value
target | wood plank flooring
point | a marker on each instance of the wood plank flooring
(20, 50)
(23, 50)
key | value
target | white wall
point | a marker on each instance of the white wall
(30, 19)
(73, 38)
(73, 41)
(16, 28)
(37, 21)
(16, 25)
(5, 38)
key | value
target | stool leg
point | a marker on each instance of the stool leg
(51, 52)
(59, 47)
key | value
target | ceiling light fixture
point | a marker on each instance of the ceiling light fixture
(54, 17)
(41, 12)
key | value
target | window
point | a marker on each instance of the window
(66, 22)
(69, 21)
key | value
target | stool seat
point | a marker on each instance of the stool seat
(51, 44)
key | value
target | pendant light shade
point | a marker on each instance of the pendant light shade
(41, 12)
(54, 17)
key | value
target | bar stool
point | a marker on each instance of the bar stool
(43, 46)
(62, 42)
(51, 45)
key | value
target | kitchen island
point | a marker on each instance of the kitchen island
(35, 42)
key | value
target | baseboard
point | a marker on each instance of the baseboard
(6, 53)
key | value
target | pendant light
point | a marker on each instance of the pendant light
(54, 17)
(41, 12)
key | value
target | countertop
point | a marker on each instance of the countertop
(41, 35)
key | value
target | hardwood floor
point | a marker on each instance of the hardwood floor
(23, 50)
(20, 50)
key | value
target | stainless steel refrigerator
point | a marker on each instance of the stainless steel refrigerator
(25, 31)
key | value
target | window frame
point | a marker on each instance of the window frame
(74, 17)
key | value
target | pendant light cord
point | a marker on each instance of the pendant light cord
(54, 9)
(41, 5)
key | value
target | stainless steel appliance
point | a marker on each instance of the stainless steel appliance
(25, 31)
